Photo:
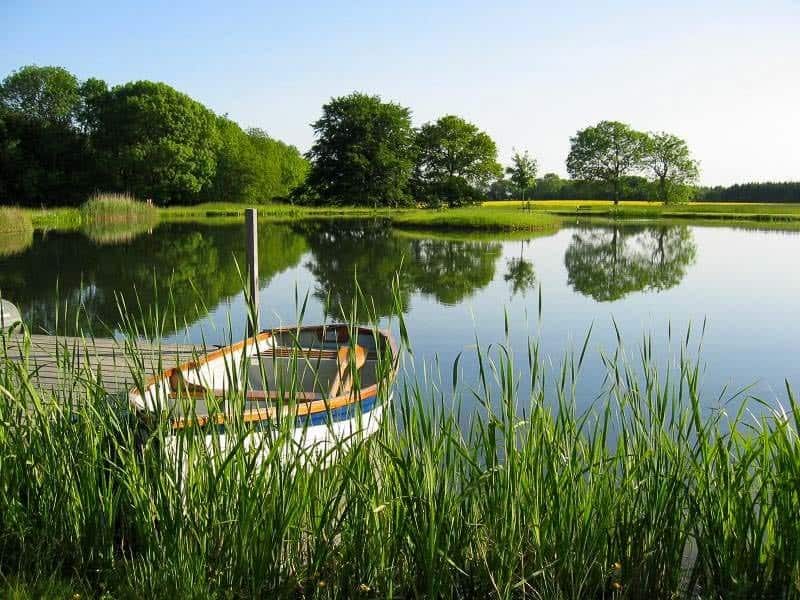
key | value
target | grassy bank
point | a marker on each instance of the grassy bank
(776, 215)
(491, 216)
(646, 495)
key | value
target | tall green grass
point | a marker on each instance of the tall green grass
(16, 231)
(644, 495)
(114, 218)
(14, 220)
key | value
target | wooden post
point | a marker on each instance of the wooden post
(251, 226)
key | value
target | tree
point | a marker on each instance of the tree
(363, 153)
(156, 142)
(92, 92)
(606, 152)
(46, 94)
(523, 172)
(675, 170)
(453, 155)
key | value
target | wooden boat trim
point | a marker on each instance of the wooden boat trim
(302, 409)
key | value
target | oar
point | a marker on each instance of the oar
(343, 382)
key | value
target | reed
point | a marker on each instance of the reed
(643, 495)
(113, 208)
(14, 220)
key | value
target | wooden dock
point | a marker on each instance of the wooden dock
(69, 367)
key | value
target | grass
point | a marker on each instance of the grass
(476, 218)
(14, 220)
(644, 495)
(772, 215)
(16, 231)
(112, 218)
(116, 218)
(115, 208)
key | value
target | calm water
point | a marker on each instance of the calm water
(452, 288)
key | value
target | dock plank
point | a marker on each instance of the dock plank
(74, 365)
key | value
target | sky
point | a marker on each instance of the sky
(725, 76)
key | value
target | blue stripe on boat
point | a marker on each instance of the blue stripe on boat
(343, 413)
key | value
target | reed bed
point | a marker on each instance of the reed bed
(644, 495)
(115, 218)
(117, 207)
(14, 220)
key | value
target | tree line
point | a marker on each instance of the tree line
(367, 152)
(62, 139)
(784, 191)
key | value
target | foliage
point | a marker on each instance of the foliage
(668, 157)
(252, 167)
(61, 140)
(45, 94)
(606, 152)
(455, 161)
(787, 191)
(523, 172)
(363, 153)
(156, 142)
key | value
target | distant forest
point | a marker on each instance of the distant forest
(785, 191)
(553, 187)
(62, 139)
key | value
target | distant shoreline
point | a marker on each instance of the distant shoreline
(533, 216)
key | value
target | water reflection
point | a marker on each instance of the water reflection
(445, 268)
(186, 269)
(607, 264)
(520, 272)
(14, 242)
(191, 268)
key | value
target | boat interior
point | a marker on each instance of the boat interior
(309, 365)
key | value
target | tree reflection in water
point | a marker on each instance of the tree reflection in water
(607, 264)
(448, 269)
(520, 272)
(184, 270)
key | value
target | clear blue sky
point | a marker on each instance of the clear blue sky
(723, 75)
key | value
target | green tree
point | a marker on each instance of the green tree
(363, 153)
(675, 170)
(46, 94)
(455, 160)
(156, 142)
(92, 92)
(606, 152)
(523, 172)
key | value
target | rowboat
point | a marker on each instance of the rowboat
(9, 315)
(325, 381)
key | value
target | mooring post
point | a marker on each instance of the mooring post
(251, 225)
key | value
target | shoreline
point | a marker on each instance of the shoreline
(497, 216)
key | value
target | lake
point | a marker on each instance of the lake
(647, 279)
